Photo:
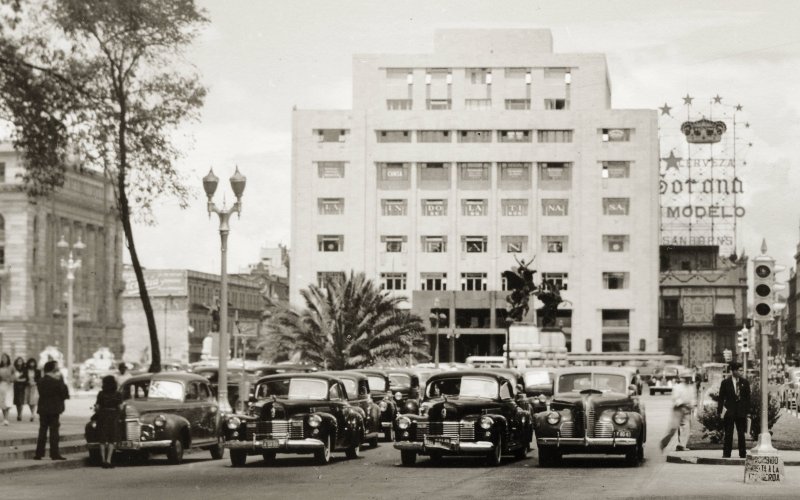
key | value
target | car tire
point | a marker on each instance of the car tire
(238, 458)
(521, 453)
(635, 455)
(495, 456)
(323, 456)
(408, 457)
(354, 451)
(652, 392)
(95, 457)
(373, 443)
(548, 457)
(217, 451)
(175, 452)
(436, 456)
(269, 457)
(389, 434)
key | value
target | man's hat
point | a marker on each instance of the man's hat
(735, 366)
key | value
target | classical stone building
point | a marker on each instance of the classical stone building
(33, 284)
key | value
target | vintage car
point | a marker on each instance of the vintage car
(357, 387)
(382, 395)
(405, 387)
(538, 384)
(664, 378)
(167, 412)
(593, 410)
(467, 413)
(516, 378)
(296, 413)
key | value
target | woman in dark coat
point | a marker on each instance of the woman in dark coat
(19, 386)
(31, 376)
(107, 410)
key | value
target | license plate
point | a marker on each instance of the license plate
(439, 442)
(271, 443)
(624, 434)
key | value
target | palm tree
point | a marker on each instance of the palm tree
(348, 323)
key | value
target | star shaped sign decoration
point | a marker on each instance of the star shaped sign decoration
(688, 99)
(672, 161)
(717, 99)
(665, 109)
(738, 107)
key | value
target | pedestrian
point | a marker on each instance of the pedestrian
(6, 386)
(52, 394)
(31, 375)
(734, 403)
(123, 374)
(107, 416)
(19, 386)
(683, 403)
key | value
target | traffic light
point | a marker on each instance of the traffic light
(763, 286)
(742, 339)
(745, 341)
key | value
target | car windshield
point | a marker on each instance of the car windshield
(399, 379)
(294, 388)
(350, 387)
(135, 390)
(377, 383)
(166, 389)
(537, 378)
(577, 382)
(468, 387)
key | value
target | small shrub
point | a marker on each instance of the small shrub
(773, 408)
(713, 428)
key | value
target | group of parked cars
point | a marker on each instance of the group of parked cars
(488, 412)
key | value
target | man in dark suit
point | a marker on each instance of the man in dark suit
(52, 394)
(734, 403)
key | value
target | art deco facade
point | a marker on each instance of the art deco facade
(33, 285)
(452, 164)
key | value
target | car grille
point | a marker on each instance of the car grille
(590, 419)
(276, 428)
(568, 429)
(603, 429)
(132, 429)
(464, 432)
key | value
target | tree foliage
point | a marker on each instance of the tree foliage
(348, 323)
(101, 83)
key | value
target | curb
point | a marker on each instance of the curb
(73, 462)
(22, 441)
(28, 451)
(693, 459)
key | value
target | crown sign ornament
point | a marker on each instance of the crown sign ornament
(272, 412)
(444, 412)
(703, 131)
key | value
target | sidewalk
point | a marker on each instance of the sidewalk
(714, 457)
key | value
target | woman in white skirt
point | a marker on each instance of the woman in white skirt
(7, 377)
(31, 375)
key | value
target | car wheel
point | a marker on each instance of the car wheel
(548, 457)
(389, 434)
(495, 456)
(175, 452)
(354, 451)
(408, 457)
(217, 451)
(521, 453)
(95, 458)
(323, 456)
(269, 457)
(238, 458)
(373, 443)
(633, 456)
(652, 392)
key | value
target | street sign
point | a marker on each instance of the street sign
(245, 335)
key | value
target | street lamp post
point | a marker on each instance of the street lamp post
(210, 182)
(436, 317)
(71, 263)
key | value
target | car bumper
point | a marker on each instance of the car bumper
(286, 445)
(460, 447)
(134, 445)
(386, 425)
(586, 442)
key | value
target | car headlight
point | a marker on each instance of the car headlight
(403, 423)
(620, 418)
(383, 406)
(160, 421)
(234, 423)
(314, 421)
(423, 410)
(553, 418)
(542, 398)
(398, 396)
(486, 422)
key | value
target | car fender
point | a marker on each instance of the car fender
(499, 422)
(174, 426)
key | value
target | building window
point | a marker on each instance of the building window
(559, 280)
(472, 208)
(399, 75)
(519, 74)
(433, 281)
(434, 208)
(514, 244)
(555, 244)
(434, 171)
(479, 76)
(394, 207)
(2, 172)
(434, 244)
(616, 134)
(515, 171)
(325, 277)
(330, 169)
(474, 244)
(331, 135)
(555, 171)
(513, 136)
(556, 104)
(330, 243)
(394, 171)
(393, 281)
(554, 135)
(616, 206)
(616, 242)
(394, 244)
(433, 136)
(474, 171)
(514, 207)
(473, 281)
(477, 104)
(398, 104)
(474, 136)
(670, 308)
(518, 104)
(393, 135)
(438, 76)
(615, 281)
(616, 169)
(555, 207)
(330, 206)
(438, 104)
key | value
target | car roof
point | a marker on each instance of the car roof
(372, 371)
(621, 370)
(468, 373)
(343, 374)
(407, 371)
(316, 375)
(180, 376)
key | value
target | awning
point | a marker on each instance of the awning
(724, 306)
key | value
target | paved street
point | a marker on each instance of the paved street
(378, 474)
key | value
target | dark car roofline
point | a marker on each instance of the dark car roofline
(470, 373)
(182, 376)
(349, 373)
(280, 376)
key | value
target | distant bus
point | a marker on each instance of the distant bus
(486, 361)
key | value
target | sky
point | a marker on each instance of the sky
(259, 59)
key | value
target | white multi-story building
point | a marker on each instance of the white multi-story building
(452, 164)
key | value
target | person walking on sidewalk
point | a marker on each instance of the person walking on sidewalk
(52, 394)
(6, 385)
(683, 402)
(734, 403)
(19, 386)
(31, 375)
(107, 415)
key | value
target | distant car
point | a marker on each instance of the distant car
(538, 384)
(664, 378)
(167, 412)
(405, 387)
(517, 379)
(358, 394)
(594, 410)
(296, 413)
(471, 412)
(379, 386)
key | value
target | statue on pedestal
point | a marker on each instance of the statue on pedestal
(520, 282)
